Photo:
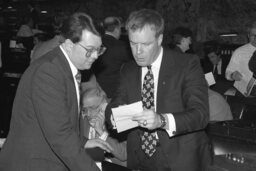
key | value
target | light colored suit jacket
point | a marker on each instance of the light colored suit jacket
(120, 154)
(44, 130)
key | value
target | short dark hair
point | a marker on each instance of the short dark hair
(74, 25)
(213, 48)
(111, 23)
(179, 33)
(145, 17)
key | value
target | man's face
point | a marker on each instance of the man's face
(214, 58)
(92, 107)
(186, 41)
(145, 46)
(252, 36)
(85, 52)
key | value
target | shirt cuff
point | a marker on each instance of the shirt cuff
(104, 136)
(171, 125)
(228, 75)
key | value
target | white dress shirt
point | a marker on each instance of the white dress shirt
(239, 61)
(74, 71)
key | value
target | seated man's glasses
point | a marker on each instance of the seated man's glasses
(90, 51)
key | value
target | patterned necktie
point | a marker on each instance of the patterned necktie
(148, 139)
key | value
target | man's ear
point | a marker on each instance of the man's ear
(160, 39)
(68, 45)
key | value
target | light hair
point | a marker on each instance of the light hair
(145, 17)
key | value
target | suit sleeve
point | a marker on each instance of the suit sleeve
(195, 99)
(50, 96)
(119, 148)
(120, 98)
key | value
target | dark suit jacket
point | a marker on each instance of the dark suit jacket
(182, 91)
(107, 67)
(44, 126)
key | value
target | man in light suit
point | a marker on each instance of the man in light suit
(44, 131)
(92, 124)
(180, 112)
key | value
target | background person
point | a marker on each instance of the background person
(107, 67)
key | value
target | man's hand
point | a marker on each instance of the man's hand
(113, 121)
(237, 76)
(92, 143)
(99, 124)
(148, 119)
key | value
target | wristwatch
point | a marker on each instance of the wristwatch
(163, 121)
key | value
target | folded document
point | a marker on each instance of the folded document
(123, 116)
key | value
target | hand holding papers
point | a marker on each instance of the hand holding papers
(123, 116)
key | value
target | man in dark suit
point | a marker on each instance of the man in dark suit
(171, 132)
(44, 131)
(107, 67)
(217, 64)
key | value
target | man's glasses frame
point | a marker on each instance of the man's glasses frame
(90, 51)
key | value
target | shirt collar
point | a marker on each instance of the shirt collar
(157, 63)
(74, 70)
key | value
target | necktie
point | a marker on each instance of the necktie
(148, 139)
(78, 78)
(215, 70)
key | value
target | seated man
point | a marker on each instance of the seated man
(217, 65)
(93, 103)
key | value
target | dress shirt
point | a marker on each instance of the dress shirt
(155, 66)
(74, 71)
(219, 64)
(239, 61)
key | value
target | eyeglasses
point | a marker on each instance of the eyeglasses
(90, 51)
(91, 111)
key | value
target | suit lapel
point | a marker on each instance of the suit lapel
(137, 89)
(135, 84)
(166, 73)
(72, 99)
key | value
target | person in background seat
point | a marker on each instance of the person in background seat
(92, 125)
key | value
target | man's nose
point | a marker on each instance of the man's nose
(95, 55)
(139, 49)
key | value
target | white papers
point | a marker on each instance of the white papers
(250, 86)
(123, 116)
(2, 140)
(242, 84)
(209, 78)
